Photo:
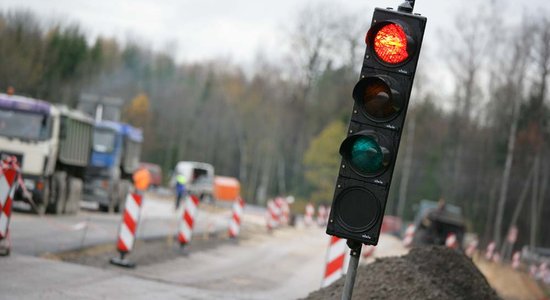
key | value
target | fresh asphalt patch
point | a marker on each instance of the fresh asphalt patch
(145, 252)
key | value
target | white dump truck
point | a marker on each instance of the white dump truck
(52, 145)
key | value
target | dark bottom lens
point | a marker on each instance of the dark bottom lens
(358, 209)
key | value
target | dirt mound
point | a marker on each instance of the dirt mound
(425, 273)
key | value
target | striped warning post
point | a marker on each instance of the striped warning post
(308, 217)
(472, 247)
(490, 251)
(130, 220)
(322, 215)
(409, 235)
(283, 210)
(7, 188)
(516, 259)
(368, 251)
(451, 241)
(273, 213)
(8, 184)
(336, 255)
(235, 222)
(187, 221)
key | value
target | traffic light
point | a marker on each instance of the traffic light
(380, 98)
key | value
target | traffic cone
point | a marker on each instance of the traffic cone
(128, 229)
(516, 259)
(187, 221)
(9, 171)
(409, 236)
(336, 255)
(235, 222)
(308, 217)
(451, 241)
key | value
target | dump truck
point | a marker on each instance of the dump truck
(434, 222)
(52, 145)
(115, 157)
(115, 153)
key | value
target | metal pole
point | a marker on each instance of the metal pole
(352, 269)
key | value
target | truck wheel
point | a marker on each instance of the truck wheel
(40, 206)
(58, 193)
(103, 208)
(74, 194)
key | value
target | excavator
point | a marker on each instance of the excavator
(436, 221)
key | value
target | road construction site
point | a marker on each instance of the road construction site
(68, 258)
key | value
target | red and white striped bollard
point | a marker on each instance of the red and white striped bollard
(187, 220)
(272, 215)
(451, 241)
(516, 259)
(336, 255)
(490, 251)
(409, 235)
(8, 185)
(236, 217)
(128, 228)
(308, 217)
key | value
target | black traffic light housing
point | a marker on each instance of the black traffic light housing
(381, 97)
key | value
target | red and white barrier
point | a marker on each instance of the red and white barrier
(409, 235)
(322, 215)
(308, 217)
(490, 251)
(516, 260)
(187, 220)
(8, 184)
(336, 255)
(496, 257)
(130, 221)
(235, 223)
(451, 241)
(472, 247)
(284, 210)
(368, 251)
(273, 214)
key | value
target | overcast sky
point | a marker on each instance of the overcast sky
(194, 30)
(199, 29)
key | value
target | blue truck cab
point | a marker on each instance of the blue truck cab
(115, 156)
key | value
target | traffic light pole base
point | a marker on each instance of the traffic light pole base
(355, 254)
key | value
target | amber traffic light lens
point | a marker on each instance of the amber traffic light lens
(377, 99)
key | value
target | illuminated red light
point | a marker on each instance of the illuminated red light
(390, 44)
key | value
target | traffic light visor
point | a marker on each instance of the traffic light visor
(376, 99)
(365, 154)
(390, 44)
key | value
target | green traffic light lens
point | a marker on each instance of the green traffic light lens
(366, 155)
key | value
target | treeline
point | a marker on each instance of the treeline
(277, 127)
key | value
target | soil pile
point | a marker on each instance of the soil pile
(432, 272)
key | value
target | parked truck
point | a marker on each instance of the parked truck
(52, 145)
(115, 156)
